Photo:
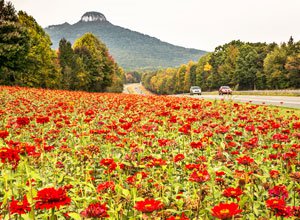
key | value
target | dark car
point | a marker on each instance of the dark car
(225, 90)
(195, 90)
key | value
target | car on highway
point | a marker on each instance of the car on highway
(195, 90)
(225, 90)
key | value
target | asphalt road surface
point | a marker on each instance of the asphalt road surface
(286, 101)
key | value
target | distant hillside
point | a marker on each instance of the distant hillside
(131, 49)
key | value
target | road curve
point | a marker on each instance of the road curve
(286, 101)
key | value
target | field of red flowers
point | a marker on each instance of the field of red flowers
(76, 155)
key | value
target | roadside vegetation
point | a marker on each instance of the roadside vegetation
(240, 65)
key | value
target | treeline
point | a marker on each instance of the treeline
(243, 66)
(26, 58)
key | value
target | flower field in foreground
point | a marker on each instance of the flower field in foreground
(76, 155)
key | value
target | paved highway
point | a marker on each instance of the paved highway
(286, 101)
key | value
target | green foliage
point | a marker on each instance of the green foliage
(98, 64)
(242, 66)
(41, 70)
(14, 44)
(133, 77)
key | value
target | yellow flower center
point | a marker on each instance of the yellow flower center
(224, 211)
(148, 205)
(20, 203)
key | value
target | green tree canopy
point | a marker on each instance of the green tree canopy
(14, 44)
(96, 60)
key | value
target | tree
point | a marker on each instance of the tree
(246, 67)
(67, 61)
(97, 62)
(14, 41)
(41, 69)
(274, 68)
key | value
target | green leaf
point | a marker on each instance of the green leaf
(74, 215)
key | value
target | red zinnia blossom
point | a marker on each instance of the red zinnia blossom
(275, 203)
(10, 155)
(106, 162)
(96, 210)
(193, 166)
(274, 174)
(19, 207)
(250, 128)
(157, 162)
(232, 192)
(178, 157)
(23, 121)
(178, 217)
(245, 160)
(186, 129)
(197, 145)
(296, 211)
(285, 212)
(3, 134)
(42, 119)
(296, 125)
(220, 173)
(279, 192)
(107, 185)
(199, 176)
(225, 210)
(49, 198)
(148, 205)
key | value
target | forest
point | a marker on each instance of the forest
(241, 65)
(26, 58)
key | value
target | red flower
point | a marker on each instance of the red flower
(96, 210)
(42, 120)
(3, 134)
(245, 160)
(49, 198)
(197, 145)
(106, 162)
(274, 174)
(220, 173)
(178, 217)
(199, 176)
(232, 192)
(107, 185)
(275, 203)
(157, 162)
(279, 192)
(225, 210)
(19, 207)
(10, 155)
(148, 205)
(178, 157)
(23, 121)
(185, 129)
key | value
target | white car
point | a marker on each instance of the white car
(195, 90)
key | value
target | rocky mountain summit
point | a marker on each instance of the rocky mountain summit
(92, 16)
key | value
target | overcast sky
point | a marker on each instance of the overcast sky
(200, 24)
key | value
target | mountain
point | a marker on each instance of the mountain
(131, 50)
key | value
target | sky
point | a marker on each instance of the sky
(200, 24)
